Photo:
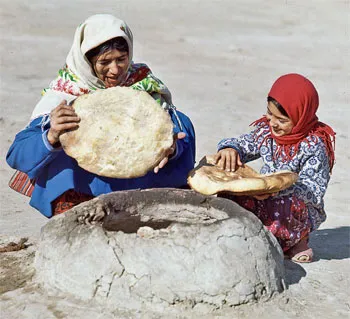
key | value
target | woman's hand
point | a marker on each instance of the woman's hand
(228, 159)
(169, 152)
(62, 119)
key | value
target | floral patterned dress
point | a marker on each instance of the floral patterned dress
(293, 213)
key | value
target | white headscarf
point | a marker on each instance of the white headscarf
(94, 31)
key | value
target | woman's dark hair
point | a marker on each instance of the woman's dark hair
(118, 43)
(279, 106)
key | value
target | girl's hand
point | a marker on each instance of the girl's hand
(264, 196)
(169, 152)
(228, 159)
(62, 119)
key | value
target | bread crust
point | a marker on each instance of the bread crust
(123, 133)
(208, 179)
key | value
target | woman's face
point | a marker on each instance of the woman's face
(280, 124)
(111, 67)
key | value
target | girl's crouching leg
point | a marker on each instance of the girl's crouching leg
(296, 246)
(301, 252)
(286, 218)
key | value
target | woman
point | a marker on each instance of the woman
(100, 57)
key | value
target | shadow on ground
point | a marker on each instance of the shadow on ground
(294, 272)
(333, 243)
(328, 244)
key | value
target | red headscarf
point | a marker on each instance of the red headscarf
(299, 98)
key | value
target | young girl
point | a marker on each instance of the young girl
(288, 137)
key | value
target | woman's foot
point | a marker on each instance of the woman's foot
(300, 253)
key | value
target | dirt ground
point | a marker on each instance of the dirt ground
(219, 59)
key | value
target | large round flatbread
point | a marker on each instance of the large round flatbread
(123, 133)
(209, 179)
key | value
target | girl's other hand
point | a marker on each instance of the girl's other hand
(264, 196)
(169, 152)
(228, 159)
(62, 119)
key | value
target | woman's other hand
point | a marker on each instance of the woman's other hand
(228, 159)
(62, 119)
(169, 152)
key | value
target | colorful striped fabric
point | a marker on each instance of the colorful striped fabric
(21, 183)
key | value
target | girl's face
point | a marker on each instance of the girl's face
(280, 124)
(111, 67)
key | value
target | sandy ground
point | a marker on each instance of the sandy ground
(219, 58)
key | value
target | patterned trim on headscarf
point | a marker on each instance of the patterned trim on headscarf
(68, 82)
(139, 77)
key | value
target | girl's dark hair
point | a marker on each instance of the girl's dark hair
(279, 106)
(118, 43)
